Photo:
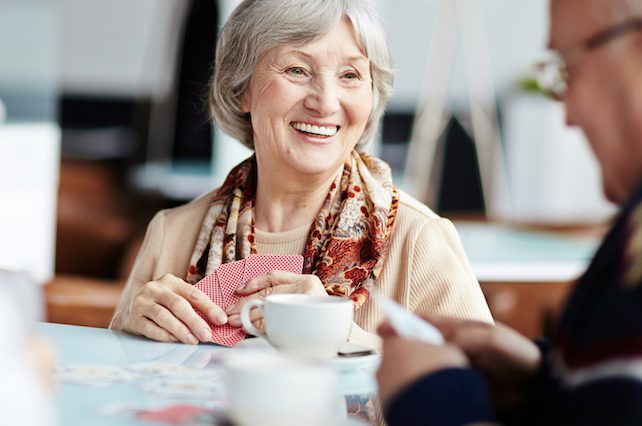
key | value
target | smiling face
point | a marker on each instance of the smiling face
(309, 105)
(603, 96)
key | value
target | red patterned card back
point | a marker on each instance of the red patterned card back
(261, 264)
(221, 287)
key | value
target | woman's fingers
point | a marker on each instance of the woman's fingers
(277, 282)
(255, 316)
(169, 304)
(202, 302)
(235, 308)
(272, 279)
(151, 330)
(176, 315)
(282, 282)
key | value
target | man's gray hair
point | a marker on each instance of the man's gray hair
(256, 26)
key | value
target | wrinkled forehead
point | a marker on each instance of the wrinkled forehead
(351, 47)
(572, 21)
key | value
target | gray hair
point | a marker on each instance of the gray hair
(257, 26)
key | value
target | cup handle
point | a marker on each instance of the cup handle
(245, 317)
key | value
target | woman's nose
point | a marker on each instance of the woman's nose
(323, 97)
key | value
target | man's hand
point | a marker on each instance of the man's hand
(405, 361)
(505, 357)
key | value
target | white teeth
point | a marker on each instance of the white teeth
(317, 130)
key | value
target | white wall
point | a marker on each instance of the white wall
(29, 140)
(118, 47)
(112, 47)
(30, 43)
(29, 58)
(515, 31)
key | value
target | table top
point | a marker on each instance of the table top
(107, 377)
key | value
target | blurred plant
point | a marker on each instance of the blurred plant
(531, 84)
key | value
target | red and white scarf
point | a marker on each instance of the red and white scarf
(346, 244)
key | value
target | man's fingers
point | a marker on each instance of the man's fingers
(385, 330)
(450, 326)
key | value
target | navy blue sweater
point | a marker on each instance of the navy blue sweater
(590, 375)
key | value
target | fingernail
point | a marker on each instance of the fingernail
(222, 319)
(191, 339)
(206, 335)
(241, 287)
(230, 309)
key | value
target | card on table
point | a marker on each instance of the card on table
(91, 374)
(175, 414)
(221, 285)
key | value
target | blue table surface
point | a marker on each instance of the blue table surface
(94, 405)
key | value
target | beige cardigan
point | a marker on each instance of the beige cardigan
(426, 269)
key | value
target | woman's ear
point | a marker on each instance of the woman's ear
(245, 100)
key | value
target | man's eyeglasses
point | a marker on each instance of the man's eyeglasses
(552, 75)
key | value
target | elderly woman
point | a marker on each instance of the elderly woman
(304, 84)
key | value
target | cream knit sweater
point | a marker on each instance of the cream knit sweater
(426, 269)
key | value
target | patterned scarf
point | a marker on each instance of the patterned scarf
(347, 242)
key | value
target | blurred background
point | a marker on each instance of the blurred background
(103, 122)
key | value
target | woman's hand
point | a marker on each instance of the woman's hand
(405, 361)
(164, 310)
(276, 282)
(505, 357)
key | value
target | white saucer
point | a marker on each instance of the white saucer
(368, 362)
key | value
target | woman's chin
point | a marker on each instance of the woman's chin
(316, 166)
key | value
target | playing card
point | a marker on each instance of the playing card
(261, 264)
(209, 285)
(221, 287)
(145, 370)
(224, 276)
(191, 388)
(91, 374)
(230, 276)
(175, 414)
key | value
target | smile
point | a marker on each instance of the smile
(324, 131)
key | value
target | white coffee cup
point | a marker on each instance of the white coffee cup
(304, 325)
(272, 389)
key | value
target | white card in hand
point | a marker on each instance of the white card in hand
(407, 324)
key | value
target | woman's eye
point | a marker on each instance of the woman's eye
(351, 75)
(297, 71)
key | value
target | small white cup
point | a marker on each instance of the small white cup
(312, 327)
(270, 389)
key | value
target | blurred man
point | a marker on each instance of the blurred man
(591, 371)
